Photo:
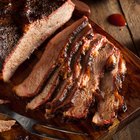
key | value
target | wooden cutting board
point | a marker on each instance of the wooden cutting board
(131, 92)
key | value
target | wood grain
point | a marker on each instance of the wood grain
(130, 132)
(131, 10)
(100, 10)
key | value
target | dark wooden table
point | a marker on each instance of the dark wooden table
(128, 36)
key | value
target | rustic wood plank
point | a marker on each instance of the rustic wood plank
(130, 132)
(100, 10)
(131, 11)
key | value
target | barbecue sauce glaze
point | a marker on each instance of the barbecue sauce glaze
(117, 20)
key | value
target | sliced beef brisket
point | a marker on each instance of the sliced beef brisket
(63, 69)
(77, 68)
(46, 93)
(63, 92)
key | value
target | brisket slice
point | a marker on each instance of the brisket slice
(80, 104)
(47, 92)
(111, 100)
(89, 56)
(94, 68)
(56, 46)
(36, 32)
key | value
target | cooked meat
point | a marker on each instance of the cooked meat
(9, 32)
(9, 36)
(2, 101)
(31, 85)
(80, 103)
(46, 93)
(101, 71)
(63, 91)
(36, 9)
(65, 94)
(90, 79)
(92, 51)
(111, 100)
(6, 8)
(44, 18)
(77, 69)
(6, 125)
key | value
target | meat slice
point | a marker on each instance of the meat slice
(82, 100)
(91, 53)
(6, 125)
(31, 85)
(80, 103)
(97, 62)
(111, 100)
(46, 93)
(121, 73)
(37, 31)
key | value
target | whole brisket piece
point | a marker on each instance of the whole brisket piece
(42, 19)
(49, 60)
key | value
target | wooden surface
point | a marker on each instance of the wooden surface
(128, 36)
